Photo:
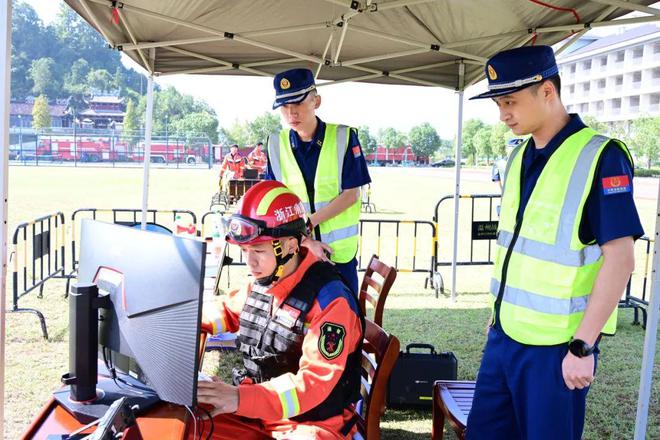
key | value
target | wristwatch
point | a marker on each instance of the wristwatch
(580, 348)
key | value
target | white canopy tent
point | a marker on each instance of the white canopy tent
(436, 43)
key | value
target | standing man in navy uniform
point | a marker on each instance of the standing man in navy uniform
(564, 256)
(324, 165)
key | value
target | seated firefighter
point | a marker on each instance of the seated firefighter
(299, 326)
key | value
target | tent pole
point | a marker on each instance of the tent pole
(147, 148)
(5, 80)
(646, 379)
(457, 176)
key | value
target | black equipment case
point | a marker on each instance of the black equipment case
(411, 381)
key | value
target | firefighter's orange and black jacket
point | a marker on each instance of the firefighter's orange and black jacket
(234, 163)
(258, 160)
(301, 340)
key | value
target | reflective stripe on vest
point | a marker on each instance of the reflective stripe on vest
(342, 231)
(550, 273)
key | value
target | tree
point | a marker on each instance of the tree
(470, 129)
(591, 121)
(76, 80)
(67, 40)
(100, 80)
(41, 113)
(424, 140)
(482, 144)
(30, 41)
(131, 122)
(645, 138)
(367, 142)
(238, 133)
(391, 138)
(43, 77)
(225, 138)
(197, 123)
(263, 126)
(499, 136)
(446, 147)
(75, 104)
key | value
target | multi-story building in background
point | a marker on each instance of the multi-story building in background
(615, 78)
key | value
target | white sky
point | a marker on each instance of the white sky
(377, 106)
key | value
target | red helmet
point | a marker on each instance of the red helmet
(268, 211)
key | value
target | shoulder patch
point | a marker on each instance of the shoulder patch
(331, 340)
(616, 185)
(336, 289)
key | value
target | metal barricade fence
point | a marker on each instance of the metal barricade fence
(482, 231)
(396, 241)
(233, 252)
(39, 243)
(638, 287)
(128, 217)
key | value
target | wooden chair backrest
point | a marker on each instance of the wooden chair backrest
(375, 291)
(378, 358)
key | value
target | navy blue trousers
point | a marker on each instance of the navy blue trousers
(521, 394)
(349, 272)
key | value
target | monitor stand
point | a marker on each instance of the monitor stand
(108, 391)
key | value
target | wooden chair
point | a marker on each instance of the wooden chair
(452, 400)
(376, 368)
(375, 291)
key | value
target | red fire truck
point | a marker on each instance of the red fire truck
(83, 149)
(172, 153)
(400, 155)
(89, 149)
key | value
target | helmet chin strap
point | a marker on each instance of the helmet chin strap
(281, 260)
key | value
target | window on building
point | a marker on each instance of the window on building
(601, 83)
(618, 57)
(618, 80)
(571, 68)
(638, 52)
(584, 107)
(571, 89)
(586, 65)
(600, 106)
(636, 77)
(656, 72)
(616, 103)
(656, 48)
(586, 86)
(634, 101)
(603, 61)
(654, 99)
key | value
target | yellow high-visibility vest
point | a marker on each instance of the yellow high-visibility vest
(543, 273)
(340, 232)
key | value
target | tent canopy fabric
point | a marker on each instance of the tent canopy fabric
(414, 42)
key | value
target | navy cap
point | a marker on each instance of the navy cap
(515, 69)
(292, 86)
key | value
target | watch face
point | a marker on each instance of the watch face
(580, 348)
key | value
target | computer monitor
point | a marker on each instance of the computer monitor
(150, 327)
(250, 173)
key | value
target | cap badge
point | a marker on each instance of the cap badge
(491, 73)
(284, 84)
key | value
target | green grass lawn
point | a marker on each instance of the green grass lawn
(33, 366)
